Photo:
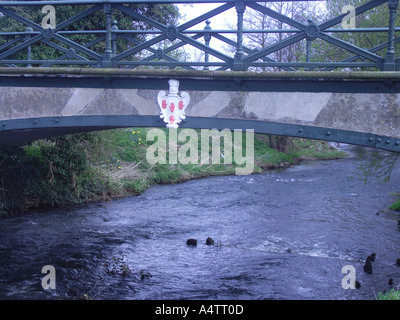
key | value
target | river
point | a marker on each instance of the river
(284, 234)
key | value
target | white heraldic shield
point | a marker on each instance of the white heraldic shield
(173, 104)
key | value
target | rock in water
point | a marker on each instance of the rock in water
(398, 262)
(210, 241)
(191, 242)
(368, 266)
(372, 257)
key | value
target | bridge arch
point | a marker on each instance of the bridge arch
(24, 130)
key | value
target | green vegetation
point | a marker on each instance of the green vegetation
(163, 13)
(49, 173)
(389, 295)
(127, 164)
(396, 206)
(99, 166)
(377, 17)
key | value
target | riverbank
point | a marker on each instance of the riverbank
(100, 166)
(123, 160)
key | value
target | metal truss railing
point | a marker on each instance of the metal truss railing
(108, 43)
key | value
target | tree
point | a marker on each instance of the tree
(377, 17)
(257, 20)
(163, 13)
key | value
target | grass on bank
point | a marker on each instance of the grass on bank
(395, 206)
(97, 166)
(389, 295)
(123, 156)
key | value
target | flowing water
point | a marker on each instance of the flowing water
(283, 234)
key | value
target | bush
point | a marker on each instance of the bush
(49, 172)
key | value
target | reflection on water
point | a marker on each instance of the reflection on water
(284, 234)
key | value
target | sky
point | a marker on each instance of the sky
(219, 22)
(190, 11)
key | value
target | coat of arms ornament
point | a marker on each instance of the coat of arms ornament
(173, 104)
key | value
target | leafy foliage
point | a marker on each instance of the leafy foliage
(163, 13)
(48, 173)
(69, 175)
(377, 17)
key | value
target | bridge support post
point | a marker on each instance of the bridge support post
(308, 53)
(389, 64)
(207, 38)
(108, 50)
(114, 38)
(238, 59)
(29, 48)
